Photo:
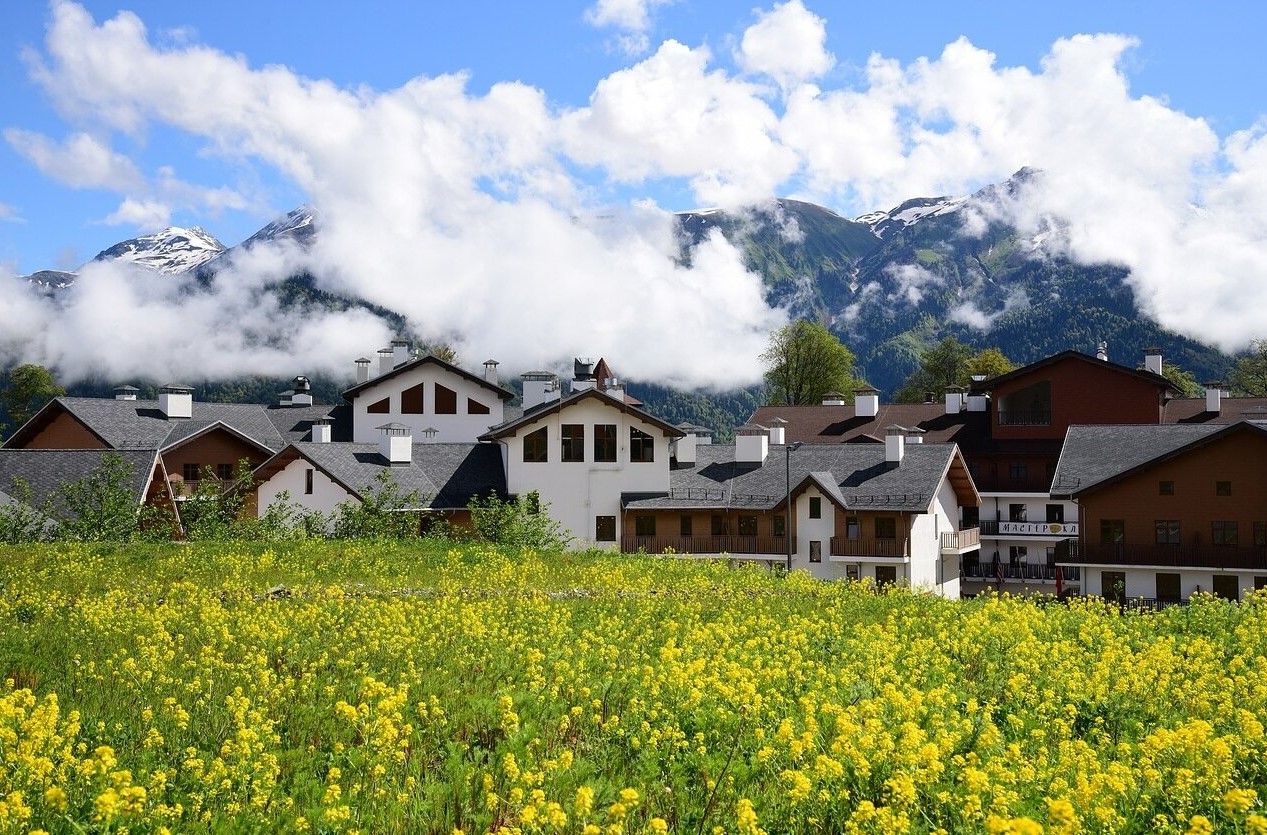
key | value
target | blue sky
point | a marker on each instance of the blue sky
(433, 128)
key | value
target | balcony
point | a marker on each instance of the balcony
(1019, 571)
(867, 547)
(1171, 556)
(956, 542)
(1007, 483)
(1021, 530)
(727, 544)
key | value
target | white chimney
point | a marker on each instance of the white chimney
(1152, 360)
(302, 395)
(616, 389)
(322, 430)
(362, 370)
(1102, 351)
(385, 361)
(539, 387)
(894, 444)
(684, 447)
(400, 352)
(954, 399)
(176, 401)
(866, 401)
(490, 371)
(833, 398)
(752, 444)
(125, 392)
(778, 432)
(978, 401)
(1213, 394)
(396, 444)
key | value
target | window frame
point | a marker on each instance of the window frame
(748, 525)
(889, 523)
(644, 524)
(641, 446)
(1224, 533)
(604, 443)
(536, 446)
(816, 507)
(572, 440)
(1167, 531)
(604, 525)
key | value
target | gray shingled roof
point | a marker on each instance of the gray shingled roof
(44, 470)
(1095, 454)
(856, 474)
(445, 476)
(508, 427)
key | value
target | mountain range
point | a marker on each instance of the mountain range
(890, 284)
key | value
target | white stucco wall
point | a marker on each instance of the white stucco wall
(1142, 582)
(325, 496)
(457, 428)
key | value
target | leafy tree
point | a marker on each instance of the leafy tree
(1249, 377)
(382, 513)
(989, 363)
(951, 363)
(804, 361)
(1182, 380)
(214, 511)
(20, 521)
(521, 523)
(27, 388)
(100, 507)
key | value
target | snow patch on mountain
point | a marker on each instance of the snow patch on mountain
(169, 252)
(909, 213)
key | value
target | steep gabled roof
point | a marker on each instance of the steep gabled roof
(1231, 410)
(842, 424)
(534, 414)
(445, 476)
(45, 470)
(1074, 356)
(1099, 455)
(856, 476)
(418, 362)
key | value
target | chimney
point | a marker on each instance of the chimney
(490, 371)
(684, 447)
(539, 387)
(866, 401)
(978, 401)
(778, 432)
(615, 388)
(894, 444)
(385, 361)
(1213, 394)
(176, 401)
(1152, 360)
(125, 392)
(400, 352)
(915, 435)
(752, 444)
(396, 444)
(954, 399)
(833, 398)
(1102, 351)
(322, 430)
(362, 370)
(583, 375)
(429, 435)
(302, 395)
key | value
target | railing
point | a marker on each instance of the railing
(1171, 556)
(726, 544)
(957, 540)
(843, 546)
(1024, 417)
(1019, 571)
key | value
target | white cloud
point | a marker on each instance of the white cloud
(82, 161)
(143, 214)
(632, 15)
(911, 281)
(9, 213)
(788, 44)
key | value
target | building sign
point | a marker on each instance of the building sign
(1038, 528)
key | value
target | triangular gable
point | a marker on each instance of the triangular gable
(212, 427)
(512, 427)
(1073, 356)
(44, 418)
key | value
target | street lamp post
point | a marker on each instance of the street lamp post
(787, 478)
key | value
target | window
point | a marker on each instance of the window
(718, 525)
(308, 477)
(1260, 534)
(573, 442)
(780, 525)
(1224, 533)
(1030, 406)
(1112, 531)
(605, 442)
(1017, 512)
(604, 528)
(1222, 488)
(191, 472)
(644, 525)
(1017, 471)
(815, 507)
(1227, 586)
(641, 445)
(1167, 531)
(1168, 586)
(411, 400)
(1113, 585)
(474, 407)
(1056, 514)
(885, 527)
(1260, 582)
(535, 446)
(885, 575)
(446, 400)
(382, 407)
(747, 526)
(815, 550)
(1017, 553)
(224, 472)
(1165, 488)
(684, 527)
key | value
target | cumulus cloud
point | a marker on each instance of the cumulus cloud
(143, 214)
(82, 161)
(9, 213)
(911, 280)
(787, 44)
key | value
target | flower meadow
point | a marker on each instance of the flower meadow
(380, 688)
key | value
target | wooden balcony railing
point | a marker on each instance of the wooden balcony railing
(1020, 571)
(959, 540)
(843, 546)
(1172, 556)
(727, 544)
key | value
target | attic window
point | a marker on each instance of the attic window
(382, 407)
(474, 407)
(641, 445)
(535, 446)
(411, 400)
(1030, 406)
(446, 400)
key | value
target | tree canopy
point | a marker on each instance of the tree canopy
(951, 363)
(1249, 377)
(26, 389)
(804, 361)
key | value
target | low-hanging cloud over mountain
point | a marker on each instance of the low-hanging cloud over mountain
(502, 220)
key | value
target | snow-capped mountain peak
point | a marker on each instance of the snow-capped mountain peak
(171, 251)
(910, 212)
